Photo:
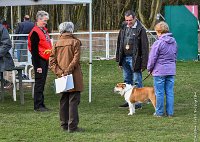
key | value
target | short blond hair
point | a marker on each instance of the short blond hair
(162, 27)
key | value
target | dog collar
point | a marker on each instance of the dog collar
(126, 91)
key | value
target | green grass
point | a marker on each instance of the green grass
(102, 119)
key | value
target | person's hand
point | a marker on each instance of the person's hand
(39, 70)
(48, 51)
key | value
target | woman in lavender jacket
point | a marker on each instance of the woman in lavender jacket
(162, 65)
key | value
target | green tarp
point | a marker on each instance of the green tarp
(184, 26)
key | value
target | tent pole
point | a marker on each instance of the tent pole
(11, 15)
(90, 45)
(12, 30)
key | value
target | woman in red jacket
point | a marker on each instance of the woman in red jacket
(39, 45)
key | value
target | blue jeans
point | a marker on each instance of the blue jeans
(164, 85)
(131, 77)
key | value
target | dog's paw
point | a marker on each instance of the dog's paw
(130, 113)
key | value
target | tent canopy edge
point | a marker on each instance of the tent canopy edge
(41, 2)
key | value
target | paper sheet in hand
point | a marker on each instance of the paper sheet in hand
(64, 83)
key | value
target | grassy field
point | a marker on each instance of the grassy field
(102, 120)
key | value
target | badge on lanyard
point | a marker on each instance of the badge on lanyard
(127, 47)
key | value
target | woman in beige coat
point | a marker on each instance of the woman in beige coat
(64, 60)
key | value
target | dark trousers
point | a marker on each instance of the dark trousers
(40, 79)
(69, 102)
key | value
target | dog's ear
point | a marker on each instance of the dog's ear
(123, 85)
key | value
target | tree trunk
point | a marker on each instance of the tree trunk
(141, 16)
(156, 11)
(147, 19)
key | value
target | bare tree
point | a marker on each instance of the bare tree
(148, 18)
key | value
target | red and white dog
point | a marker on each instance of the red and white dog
(133, 95)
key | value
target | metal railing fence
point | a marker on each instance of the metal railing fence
(103, 45)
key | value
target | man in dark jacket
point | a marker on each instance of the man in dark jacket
(6, 61)
(21, 42)
(132, 51)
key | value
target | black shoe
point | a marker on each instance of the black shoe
(76, 130)
(64, 128)
(170, 116)
(125, 105)
(42, 109)
(138, 106)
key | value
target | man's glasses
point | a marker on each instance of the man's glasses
(129, 20)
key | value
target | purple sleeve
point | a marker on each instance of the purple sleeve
(153, 56)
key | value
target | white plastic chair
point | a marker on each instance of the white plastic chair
(28, 72)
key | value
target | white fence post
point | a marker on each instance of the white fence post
(107, 46)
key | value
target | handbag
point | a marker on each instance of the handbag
(64, 83)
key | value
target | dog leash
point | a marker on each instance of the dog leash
(146, 77)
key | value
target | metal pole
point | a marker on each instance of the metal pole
(90, 45)
(12, 31)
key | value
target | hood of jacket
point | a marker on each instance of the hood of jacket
(168, 38)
